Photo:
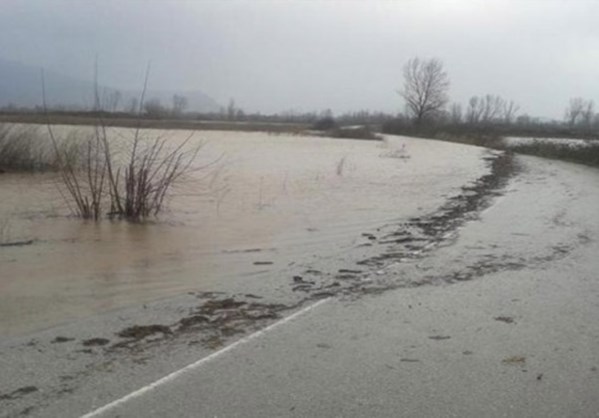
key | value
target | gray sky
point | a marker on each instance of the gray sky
(312, 55)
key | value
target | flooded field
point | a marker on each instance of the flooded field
(264, 203)
(578, 143)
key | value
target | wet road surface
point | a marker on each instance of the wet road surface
(503, 320)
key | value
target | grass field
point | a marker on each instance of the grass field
(127, 121)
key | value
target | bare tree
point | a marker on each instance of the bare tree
(425, 88)
(113, 98)
(133, 107)
(179, 104)
(524, 120)
(510, 109)
(231, 110)
(574, 110)
(490, 109)
(580, 113)
(455, 113)
(587, 114)
(474, 111)
(154, 108)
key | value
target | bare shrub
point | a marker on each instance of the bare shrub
(20, 149)
(138, 189)
(132, 181)
(85, 183)
(128, 179)
(23, 148)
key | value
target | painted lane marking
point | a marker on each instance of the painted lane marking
(174, 375)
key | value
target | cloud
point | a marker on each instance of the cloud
(344, 55)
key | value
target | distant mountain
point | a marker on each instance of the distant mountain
(21, 86)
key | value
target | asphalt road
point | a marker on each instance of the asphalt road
(502, 322)
(520, 340)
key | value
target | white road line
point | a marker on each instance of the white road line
(166, 379)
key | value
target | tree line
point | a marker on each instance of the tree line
(425, 93)
(427, 107)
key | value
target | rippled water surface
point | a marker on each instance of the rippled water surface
(267, 201)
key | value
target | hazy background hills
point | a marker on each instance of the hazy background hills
(277, 56)
(21, 86)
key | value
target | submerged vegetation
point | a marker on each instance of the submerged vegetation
(19, 150)
(23, 148)
(129, 179)
(122, 177)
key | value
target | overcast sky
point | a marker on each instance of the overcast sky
(312, 55)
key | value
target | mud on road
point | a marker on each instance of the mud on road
(210, 320)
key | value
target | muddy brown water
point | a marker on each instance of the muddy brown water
(268, 202)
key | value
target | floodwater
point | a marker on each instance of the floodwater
(262, 203)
